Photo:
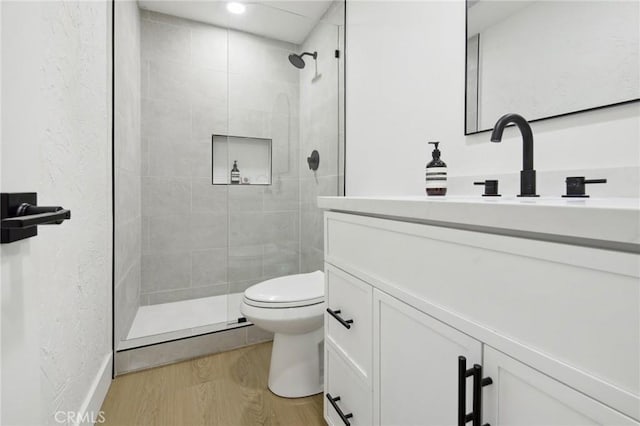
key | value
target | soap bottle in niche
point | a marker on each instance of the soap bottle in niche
(436, 174)
(235, 173)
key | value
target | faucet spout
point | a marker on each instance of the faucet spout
(527, 174)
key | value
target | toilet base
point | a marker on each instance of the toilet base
(297, 364)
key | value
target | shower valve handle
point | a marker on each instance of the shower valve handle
(314, 160)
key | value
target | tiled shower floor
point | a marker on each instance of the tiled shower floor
(186, 317)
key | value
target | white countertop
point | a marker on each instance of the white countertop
(605, 222)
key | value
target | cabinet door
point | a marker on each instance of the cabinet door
(522, 396)
(416, 361)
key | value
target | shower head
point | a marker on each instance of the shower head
(298, 62)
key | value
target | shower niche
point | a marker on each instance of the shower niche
(251, 157)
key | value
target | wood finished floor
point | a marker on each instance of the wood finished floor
(226, 389)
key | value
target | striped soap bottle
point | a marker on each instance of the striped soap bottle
(436, 174)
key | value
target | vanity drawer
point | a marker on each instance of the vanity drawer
(348, 321)
(350, 394)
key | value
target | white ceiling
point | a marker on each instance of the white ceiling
(285, 20)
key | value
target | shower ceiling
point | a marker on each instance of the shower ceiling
(289, 21)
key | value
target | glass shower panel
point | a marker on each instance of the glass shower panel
(277, 229)
(181, 286)
(263, 219)
(320, 131)
(210, 116)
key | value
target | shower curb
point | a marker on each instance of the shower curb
(142, 358)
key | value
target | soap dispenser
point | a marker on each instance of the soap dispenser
(235, 173)
(436, 174)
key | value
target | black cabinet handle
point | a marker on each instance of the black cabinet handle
(335, 314)
(478, 383)
(463, 373)
(345, 417)
(475, 416)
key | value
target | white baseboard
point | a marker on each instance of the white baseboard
(89, 413)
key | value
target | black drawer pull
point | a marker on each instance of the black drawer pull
(335, 314)
(345, 417)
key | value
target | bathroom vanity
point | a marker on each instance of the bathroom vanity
(428, 298)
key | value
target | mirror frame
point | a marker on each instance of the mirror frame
(466, 97)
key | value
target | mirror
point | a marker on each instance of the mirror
(543, 59)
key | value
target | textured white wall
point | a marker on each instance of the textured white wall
(594, 46)
(405, 85)
(56, 288)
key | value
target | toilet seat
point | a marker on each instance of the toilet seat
(291, 291)
(276, 305)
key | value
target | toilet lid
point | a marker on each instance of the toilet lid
(288, 291)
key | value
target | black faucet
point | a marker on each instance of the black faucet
(527, 174)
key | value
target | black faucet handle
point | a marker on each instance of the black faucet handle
(490, 188)
(575, 186)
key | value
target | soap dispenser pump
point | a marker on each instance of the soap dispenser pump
(436, 173)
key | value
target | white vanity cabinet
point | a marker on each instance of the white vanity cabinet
(555, 326)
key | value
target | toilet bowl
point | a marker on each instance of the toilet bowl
(292, 307)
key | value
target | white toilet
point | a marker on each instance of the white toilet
(292, 307)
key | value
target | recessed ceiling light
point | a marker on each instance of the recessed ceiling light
(236, 8)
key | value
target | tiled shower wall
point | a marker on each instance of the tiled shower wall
(321, 103)
(127, 173)
(198, 80)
